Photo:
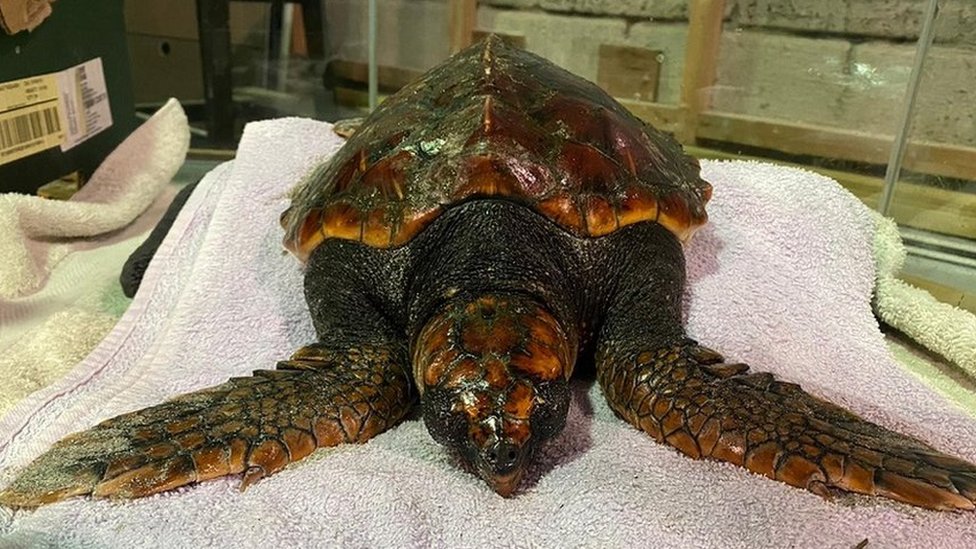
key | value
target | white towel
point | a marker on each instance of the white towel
(945, 329)
(122, 187)
(781, 278)
(60, 260)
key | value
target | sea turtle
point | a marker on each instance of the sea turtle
(487, 229)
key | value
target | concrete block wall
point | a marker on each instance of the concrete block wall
(842, 63)
(897, 19)
(660, 9)
(573, 42)
(946, 108)
(780, 76)
(894, 19)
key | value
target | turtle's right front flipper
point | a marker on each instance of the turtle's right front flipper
(253, 425)
(687, 396)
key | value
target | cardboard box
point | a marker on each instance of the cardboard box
(178, 19)
(164, 46)
(164, 67)
(65, 94)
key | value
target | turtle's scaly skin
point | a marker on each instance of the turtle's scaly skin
(251, 425)
(688, 397)
(489, 228)
(497, 121)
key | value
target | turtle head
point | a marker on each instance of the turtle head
(494, 377)
(497, 432)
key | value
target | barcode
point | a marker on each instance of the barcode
(27, 127)
(92, 100)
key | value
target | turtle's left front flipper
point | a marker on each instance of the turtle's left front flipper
(689, 397)
(253, 425)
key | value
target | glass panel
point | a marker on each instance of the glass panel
(412, 37)
(935, 199)
(809, 82)
(791, 81)
(261, 60)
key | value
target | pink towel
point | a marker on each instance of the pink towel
(781, 278)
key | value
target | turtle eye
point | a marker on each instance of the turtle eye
(445, 420)
(550, 409)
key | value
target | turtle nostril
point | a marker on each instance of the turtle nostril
(501, 457)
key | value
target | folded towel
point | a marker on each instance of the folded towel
(59, 260)
(122, 187)
(940, 327)
(781, 278)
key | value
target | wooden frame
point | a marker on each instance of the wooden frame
(701, 62)
(799, 138)
(462, 18)
(914, 205)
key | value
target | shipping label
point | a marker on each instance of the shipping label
(61, 109)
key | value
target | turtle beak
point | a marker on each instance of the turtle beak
(500, 464)
(504, 485)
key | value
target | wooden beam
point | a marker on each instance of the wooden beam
(792, 137)
(463, 16)
(828, 142)
(701, 60)
(299, 45)
(927, 157)
(940, 159)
